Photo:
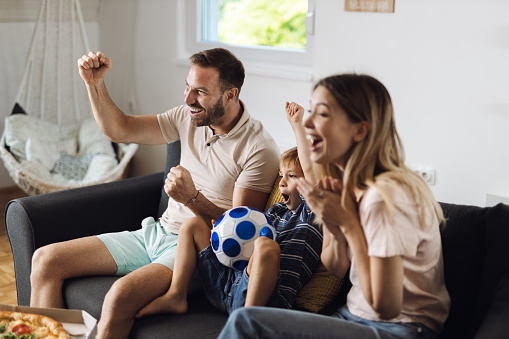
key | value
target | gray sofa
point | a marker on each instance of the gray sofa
(475, 241)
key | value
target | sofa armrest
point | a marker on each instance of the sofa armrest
(36, 221)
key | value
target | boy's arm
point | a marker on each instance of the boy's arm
(295, 114)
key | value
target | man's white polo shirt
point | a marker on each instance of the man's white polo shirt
(246, 157)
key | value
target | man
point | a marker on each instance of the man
(227, 160)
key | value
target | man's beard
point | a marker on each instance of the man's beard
(213, 114)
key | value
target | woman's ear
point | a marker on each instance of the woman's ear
(362, 131)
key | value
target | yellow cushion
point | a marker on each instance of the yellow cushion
(323, 287)
(319, 292)
(275, 196)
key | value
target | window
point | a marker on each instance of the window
(274, 35)
(271, 23)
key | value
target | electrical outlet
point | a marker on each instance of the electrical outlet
(426, 172)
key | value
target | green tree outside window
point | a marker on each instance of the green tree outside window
(276, 23)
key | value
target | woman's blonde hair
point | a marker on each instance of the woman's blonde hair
(380, 155)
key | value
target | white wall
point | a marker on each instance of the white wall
(443, 61)
(446, 65)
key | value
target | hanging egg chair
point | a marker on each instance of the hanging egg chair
(51, 141)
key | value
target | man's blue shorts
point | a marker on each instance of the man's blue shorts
(225, 287)
(150, 244)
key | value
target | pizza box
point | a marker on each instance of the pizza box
(79, 324)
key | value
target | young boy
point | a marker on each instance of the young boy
(276, 271)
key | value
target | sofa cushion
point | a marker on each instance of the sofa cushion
(200, 321)
(319, 292)
(275, 195)
(87, 293)
(464, 255)
(474, 244)
(496, 324)
(496, 261)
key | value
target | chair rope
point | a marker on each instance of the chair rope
(50, 89)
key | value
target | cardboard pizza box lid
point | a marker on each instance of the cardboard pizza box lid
(79, 324)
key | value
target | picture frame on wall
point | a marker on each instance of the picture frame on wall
(381, 6)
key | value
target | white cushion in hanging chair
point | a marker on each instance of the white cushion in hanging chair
(47, 153)
(44, 157)
(21, 127)
(91, 140)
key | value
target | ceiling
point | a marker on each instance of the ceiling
(27, 10)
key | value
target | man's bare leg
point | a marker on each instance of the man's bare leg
(128, 295)
(263, 270)
(54, 263)
(194, 236)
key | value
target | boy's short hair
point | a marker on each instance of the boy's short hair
(291, 157)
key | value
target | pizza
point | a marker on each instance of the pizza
(17, 325)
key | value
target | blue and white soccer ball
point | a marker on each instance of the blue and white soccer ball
(234, 234)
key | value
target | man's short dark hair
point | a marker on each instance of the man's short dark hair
(231, 70)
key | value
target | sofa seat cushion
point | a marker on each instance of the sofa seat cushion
(496, 268)
(496, 324)
(464, 252)
(474, 246)
(87, 293)
(201, 321)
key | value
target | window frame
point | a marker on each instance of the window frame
(262, 60)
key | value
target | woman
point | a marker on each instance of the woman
(380, 220)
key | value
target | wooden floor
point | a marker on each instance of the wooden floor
(7, 280)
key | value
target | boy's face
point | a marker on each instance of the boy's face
(288, 185)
